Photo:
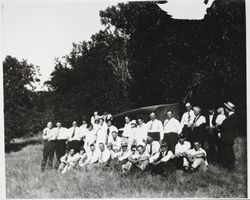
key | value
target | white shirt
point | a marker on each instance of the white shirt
(101, 134)
(141, 133)
(127, 130)
(90, 138)
(199, 120)
(84, 130)
(185, 120)
(172, 125)
(61, 133)
(104, 156)
(193, 152)
(181, 148)
(211, 120)
(110, 130)
(155, 148)
(49, 134)
(167, 155)
(77, 135)
(155, 126)
(220, 118)
(93, 118)
(123, 155)
(68, 159)
(91, 157)
(115, 143)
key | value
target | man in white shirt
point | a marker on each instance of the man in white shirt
(186, 121)
(74, 137)
(61, 136)
(116, 141)
(122, 156)
(110, 129)
(90, 137)
(141, 161)
(155, 128)
(49, 146)
(197, 157)
(68, 161)
(181, 151)
(81, 158)
(152, 147)
(198, 127)
(91, 156)
(141, 131)
(101, 132)
(103, 155)
(84, 130)
(94, 117)
(171, 129)
(127, 129)
(162, 160)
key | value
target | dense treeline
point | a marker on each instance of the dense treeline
(144, 57)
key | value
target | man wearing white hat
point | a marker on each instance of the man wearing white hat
(227, 129)
(186, 120)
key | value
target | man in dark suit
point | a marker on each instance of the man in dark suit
(212, 136)
(228, 129)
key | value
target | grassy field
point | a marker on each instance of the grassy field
(25, 180)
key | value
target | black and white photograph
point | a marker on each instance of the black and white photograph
(124, 99)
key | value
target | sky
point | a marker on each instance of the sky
(40, 31)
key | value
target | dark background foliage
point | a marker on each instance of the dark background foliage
(142, 57)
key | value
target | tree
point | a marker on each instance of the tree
(18, 77)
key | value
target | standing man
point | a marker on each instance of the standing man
(49, 146)
(155, 128)
(186, 121)
(198, 127)
(74, 137)
(61, 136)
(228, 129)
(94, 117)
(141, 131)
(171, 129)
(211, 135)
(101, 132)
(126, 130)
(152, 147)
(110, 129)
(84, 130)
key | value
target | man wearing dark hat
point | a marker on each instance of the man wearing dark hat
(161, 161)
(227, 130)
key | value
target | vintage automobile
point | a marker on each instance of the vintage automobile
(144, 113)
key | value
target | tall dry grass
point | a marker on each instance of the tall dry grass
(25, 180)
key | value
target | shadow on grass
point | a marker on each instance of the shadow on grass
(17, 146)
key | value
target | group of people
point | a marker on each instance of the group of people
(155, 145)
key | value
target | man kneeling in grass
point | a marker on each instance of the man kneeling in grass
(68, 161)
(197, 158)
(139, 160)
(162, 161)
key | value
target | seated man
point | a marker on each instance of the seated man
(112, 153)
(82, 158)
(122, 156)
(91, 156)
(161, 160)
(181, 152)
(152, 147)
(67, 161)
(140, 161)
(103, 155)
(197, 157)
(115, 140)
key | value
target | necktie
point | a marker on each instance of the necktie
(108, 131)
(151, 126)
(73, 133)
(150, 150)
(160, 156)
(189, 117)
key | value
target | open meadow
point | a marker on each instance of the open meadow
(25, 180)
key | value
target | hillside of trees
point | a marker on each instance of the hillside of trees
(142, 57)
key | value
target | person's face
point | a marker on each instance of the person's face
(49, 125)
(92, 148)
(149, 139)
(152, 116)
(59, 125)
(133, 125)
(227, 110)
(140, 150)
(169, 115)
(140, 121)
(114, 134)
(74, 124)
(133, 150)
(71, 152)
(84, 122)
(102, 148)
(90, 128)
(109, 147)
(181, 140)
(164, 148)
(82, 152)
(196, 146)
(101, 122)
(109, 123)
(196, 112)
(97, 121)
(124, 148)
(188, 108)
(126, 119)
(211, 111)
(95, 113)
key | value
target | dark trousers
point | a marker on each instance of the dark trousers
(228, 156)
(214, 145)
(60, 149)
(178, 162)
(162, 167)
(74, 144)
(48, 153)
(186, 131)
(197, 135)
(154, 135)
(171, 139)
